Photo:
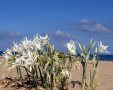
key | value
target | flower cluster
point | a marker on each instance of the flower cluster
(40, 60)
(71, 47)
(25, 53)
(101, 48)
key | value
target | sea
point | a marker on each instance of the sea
(101, 57)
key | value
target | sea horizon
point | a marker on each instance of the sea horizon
(102, 57)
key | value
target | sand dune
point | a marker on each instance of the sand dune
(105, 76)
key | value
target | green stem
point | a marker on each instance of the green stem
(95, 67)
(36, 71)
(33, 74)
(40, 75)
(27, 73)
(84, 64)
(51, 88)
(62, 83)
(19, 72)
(46, 82)
(70, 62)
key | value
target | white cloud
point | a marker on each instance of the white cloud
(88, 26)
(85, 21)
(10, 34)
(61, 33)
(101, 28)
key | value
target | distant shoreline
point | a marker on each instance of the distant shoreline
(101, 57)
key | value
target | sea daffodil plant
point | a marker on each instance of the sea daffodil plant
(42, 62)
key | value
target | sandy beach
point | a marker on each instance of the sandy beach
(105, 76)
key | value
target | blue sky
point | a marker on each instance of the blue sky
(63, 20)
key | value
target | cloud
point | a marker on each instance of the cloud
(61, 35)
(10, 34)
(101, 28)
(7, 39)
(90, 26)
(59, 38)
(85, 22)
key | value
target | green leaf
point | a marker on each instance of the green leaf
(84, 49)
(92, 43)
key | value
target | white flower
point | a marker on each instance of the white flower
(7, 54)
(77, 64)
(30, 59)
(80, 46)
(26, 52)
(36, 42)
(71, 47)
(27, 44)
(65, 73)
(19, 62)
(15, 48)
(44, 39)
(101, 48)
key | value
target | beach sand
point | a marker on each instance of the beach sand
(105, 76)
